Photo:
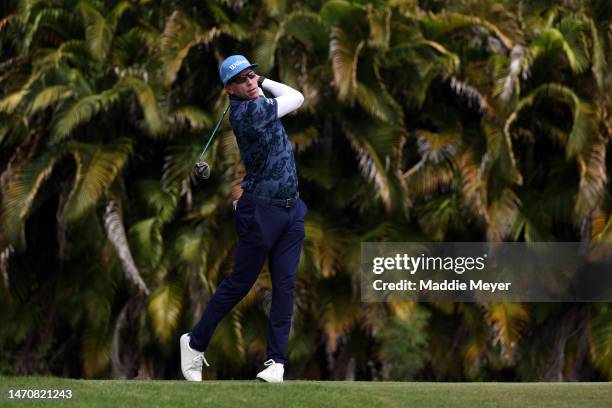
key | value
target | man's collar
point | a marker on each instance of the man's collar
(236, 98)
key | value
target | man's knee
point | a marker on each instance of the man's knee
(239, 285)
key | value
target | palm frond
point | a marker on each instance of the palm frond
(228, 343)
(191, 114)
(508, 321)
(338, 317)
(227, 25)
(503, 212)
(437, 25)
(187, 246)
(53, 17)
(600, 340)
(178, 162)
(164, 307)
(304, 138)
(374, 145)
(500, 153)
(584, 125)
(10, 102)
(305, 26)
(97, 167)
(147, 242)
(137, 39)
(275, 7)
(379, 21)
(308, 28)
(96, 350)
(83, 110)
(300, 346)
(593, 180)
(454, 60)
(115, 15)
(599, 63)
(160, 202)
(98, 33)
(20, 191)
(427, 59)
(438, 215)
(31, 30)
(344, 53)
(575, 45)
(49, 96)
(180, 34)
(602, 229)
(552, 41)
(379, 103)
(474, 97)
(472, 184)
(6, 20)
(434, 172)
(342, 13)
(474, 349)
(265, 49)
(148, 102)
(325, 245)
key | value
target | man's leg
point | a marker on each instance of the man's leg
(249, 259)
(284, 260)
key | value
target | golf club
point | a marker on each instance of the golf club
(202, 169)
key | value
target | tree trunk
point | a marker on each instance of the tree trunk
(125, 354)
(553, 371)
(583, 344)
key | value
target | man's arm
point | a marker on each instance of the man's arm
(287, 98)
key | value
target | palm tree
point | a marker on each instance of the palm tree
(94, 95)
(422, 122)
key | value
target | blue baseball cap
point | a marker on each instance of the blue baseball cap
(232, 65)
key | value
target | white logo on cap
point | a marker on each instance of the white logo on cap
(235, 64)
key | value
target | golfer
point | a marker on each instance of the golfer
(269, 216)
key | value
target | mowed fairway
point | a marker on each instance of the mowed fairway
(135, 394)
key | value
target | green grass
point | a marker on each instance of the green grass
(135, 394)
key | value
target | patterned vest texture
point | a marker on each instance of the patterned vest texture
(265, 148)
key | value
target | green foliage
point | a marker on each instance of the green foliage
(18, 196)
(146, 242)
(404, 346)
(422, 121)
(96, 168)
(600, 338)
(83, 110)
(164, 309)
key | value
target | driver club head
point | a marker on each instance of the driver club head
(202, 170)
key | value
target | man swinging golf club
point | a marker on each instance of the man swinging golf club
(269, 215)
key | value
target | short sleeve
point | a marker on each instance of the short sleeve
(262, 110)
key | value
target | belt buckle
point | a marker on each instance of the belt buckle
(287, 203)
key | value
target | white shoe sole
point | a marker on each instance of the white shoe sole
(266, 381)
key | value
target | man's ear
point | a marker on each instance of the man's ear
(228, 89)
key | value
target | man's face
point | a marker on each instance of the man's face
(244, 85)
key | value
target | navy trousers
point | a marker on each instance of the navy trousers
(264, 231)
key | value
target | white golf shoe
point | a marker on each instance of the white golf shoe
(191, 360)
(273, 373)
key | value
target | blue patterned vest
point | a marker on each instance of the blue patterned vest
(265, 148)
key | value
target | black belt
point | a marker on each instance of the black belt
(278, 202)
